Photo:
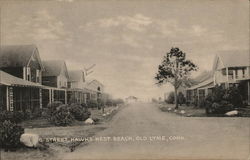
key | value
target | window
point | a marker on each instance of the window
(37, 76)
(236, 73)
(28, 74)
(243, 72)
(223, 71)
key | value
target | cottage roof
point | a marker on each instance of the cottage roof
(91, 81)
(206, 83)
(17, 55)
(54, 67)
(9, 80)
(237, 58)
(75, 75)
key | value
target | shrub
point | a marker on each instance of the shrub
(28, 114)
(92, 104)
(36, 113)
(15, 117)
(51, 108)
(10, 134)
(62, 116)
(79, 112)
(223, 100)
(170, 98)
(181, 98)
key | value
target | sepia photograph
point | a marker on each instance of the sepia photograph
(124, 80)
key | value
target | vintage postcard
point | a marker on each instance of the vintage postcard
(124, 79)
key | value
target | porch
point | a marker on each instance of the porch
(51, 94)
(17, 94)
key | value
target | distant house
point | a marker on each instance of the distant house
(77, 93)
(95, 89)
(131, 99)
(229, 69)
(20, 81)
(55, 80)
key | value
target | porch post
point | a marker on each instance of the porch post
(248, 86)
(65, 92)
(50, 96)
(227, 84)
(40, 98)
(198, 96)
(11, 107)
(7, 99)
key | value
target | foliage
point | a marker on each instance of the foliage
(154, 100)
(51, 109)
(170, 98)
(59, 114)
(92, 103)
(79, 112)
(181, 98)
(117, 101)
(15, 117)
(114, 102)
(62, 116)
(174, 69)
(223, 100)
(10, 134)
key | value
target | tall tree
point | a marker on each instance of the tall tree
(175, 69)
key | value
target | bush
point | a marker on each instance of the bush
(181, 98)
(62, 116)
(92, 104)
(79, 112)
(223, 100)
(36, 113)
(51, 109)
(15, 117)
(10, 134)
(170, 98)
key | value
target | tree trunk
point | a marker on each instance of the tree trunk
(175, 98)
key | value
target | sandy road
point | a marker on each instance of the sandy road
(142, 131)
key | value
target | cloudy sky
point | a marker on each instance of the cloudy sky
(126, 39)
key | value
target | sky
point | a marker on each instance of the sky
(126, 39)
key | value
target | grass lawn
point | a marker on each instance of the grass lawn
(48, 131)
(190, 111)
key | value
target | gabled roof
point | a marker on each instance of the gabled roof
(17, 55)
(237, 58)
(9, 80)
(90, 81)
(202, 77)
(75, 75)
(207, 83)
(54, 67)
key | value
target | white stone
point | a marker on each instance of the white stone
(29, 139)
(232, 113)
(89, 121)
(169, 109)
(175, 110)
(182, 112)
(104, 115)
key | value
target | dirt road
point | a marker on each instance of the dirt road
(142, 131)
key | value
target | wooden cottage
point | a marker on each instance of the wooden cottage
(55, 81)
(20, 78)
(96, 89)
(233, 68)
(77, 93)
(229, 69)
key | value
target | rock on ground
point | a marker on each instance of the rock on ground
(29, 140)
(89, 121)
(232, 113)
